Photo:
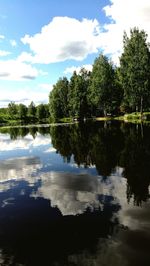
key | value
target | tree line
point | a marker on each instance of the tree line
(107, 89)
(26, 114)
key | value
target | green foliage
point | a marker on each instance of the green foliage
(78, 94)
(22, 111)
(19, 113)
(31, 111)
(136, 117)
(3, 115)
(135, 70)
(12, 110)
(58, 99)
(104, 92)
(107, 90)
(42, 112)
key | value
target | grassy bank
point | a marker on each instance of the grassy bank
(137, 117)
(132, 117)
(17, 122)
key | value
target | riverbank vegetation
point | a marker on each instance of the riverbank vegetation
(20, 113)
(106, 91)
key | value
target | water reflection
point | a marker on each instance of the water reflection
(86, 146)
(35, 229)
(108, 146)
(135, 159)
(75, 195)
(90, 144)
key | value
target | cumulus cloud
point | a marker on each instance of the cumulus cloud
(4, 74)
(24, 57)
(67, 38)
(63, 38)
(2, 37)
(16, 70)
(46, 86)
(24, 95)
(4, 53)
(123, 16)
(13, 43)
(30, 77)
(70, 70)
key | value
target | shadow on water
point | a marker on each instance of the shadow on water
(76, 218)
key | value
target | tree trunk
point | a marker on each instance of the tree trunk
(141, 107)
(105, 113)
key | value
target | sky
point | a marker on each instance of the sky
(41, 41)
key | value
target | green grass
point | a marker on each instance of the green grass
(66, 120)
(136, 117)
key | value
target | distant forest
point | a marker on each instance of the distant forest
(23, 114)
(106, 90)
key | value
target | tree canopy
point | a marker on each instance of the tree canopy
(135, 70)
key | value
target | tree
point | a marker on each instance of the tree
(58, 99)
(31, 110)
(22, 111)
(135, 70)
(78, 92)
(12, 110)
(101, 90)
(41, 111)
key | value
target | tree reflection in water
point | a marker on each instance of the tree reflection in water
(33, 231)
(108, 146)
(103, 145)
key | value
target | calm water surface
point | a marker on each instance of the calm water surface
(75, 195)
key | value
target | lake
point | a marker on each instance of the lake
(75, 195)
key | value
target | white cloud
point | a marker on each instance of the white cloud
(4, 53)
(70, 70)
(68, 38)
(16, 70)
(13, 43)
(46, 86)
(62, 39)
(124, 15)
(71, 193)
(19, 168)
(24, 57)
(26, 143)
(2, 37)
(24, 95)
(49, 150)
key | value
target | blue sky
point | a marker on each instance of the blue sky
(41, 41)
